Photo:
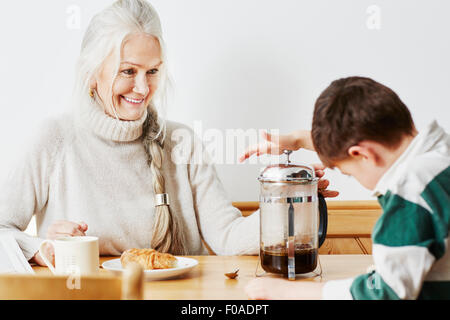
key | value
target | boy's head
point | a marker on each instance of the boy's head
(361, 127)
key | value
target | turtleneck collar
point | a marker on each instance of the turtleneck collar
(109, 128)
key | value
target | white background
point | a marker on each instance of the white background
(238, 64)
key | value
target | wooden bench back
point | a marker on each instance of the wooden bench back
(49, 287)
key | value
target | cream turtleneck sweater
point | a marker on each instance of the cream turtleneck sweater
(87, 166)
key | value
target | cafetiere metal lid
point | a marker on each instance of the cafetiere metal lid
(287, 172)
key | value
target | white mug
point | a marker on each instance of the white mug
(77, 255)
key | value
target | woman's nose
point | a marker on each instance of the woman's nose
(141, 86)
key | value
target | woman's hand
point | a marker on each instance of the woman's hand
(59, 228)
(276, 144)
(63, 228)
(49, 252)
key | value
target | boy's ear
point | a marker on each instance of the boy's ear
(364, 152)
(356, 152)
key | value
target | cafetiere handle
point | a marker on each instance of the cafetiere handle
(323, 214)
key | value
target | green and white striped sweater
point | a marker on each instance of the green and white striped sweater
(411, 239)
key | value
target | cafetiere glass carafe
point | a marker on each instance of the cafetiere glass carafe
(294, 217)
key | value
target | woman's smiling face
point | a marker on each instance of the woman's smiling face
(136, 81)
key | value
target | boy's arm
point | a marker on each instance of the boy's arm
(407, 240)
(267, 288)
(337, 290)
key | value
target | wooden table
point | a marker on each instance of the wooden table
(207, 281)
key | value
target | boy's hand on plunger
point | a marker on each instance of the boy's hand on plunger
(276, 144)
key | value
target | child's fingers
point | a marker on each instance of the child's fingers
(323, 184)
(330, 193)
(319, 173)
(255, 290)
(248, 153)
(265, 147)
(258, 149)
(318, 166)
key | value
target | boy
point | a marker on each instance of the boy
(363, 128)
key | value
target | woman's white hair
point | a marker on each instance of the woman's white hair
(105, 35)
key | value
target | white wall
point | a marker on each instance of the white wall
(248, 64)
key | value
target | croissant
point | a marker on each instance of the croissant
(148, 259)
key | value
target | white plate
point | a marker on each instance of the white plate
(184, 265)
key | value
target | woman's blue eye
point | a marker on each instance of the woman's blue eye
(153, 71)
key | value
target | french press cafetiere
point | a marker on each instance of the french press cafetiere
(294, 218)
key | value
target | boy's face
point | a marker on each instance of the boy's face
(365, 172)
(369, 160)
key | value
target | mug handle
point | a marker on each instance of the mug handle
(41, 252)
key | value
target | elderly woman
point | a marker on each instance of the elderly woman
(106, 169)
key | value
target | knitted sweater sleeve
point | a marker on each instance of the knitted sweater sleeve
(24, 190)
(222, 226)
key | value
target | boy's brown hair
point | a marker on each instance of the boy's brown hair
(354, 109)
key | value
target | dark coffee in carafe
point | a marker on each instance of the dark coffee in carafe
(275, 259)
